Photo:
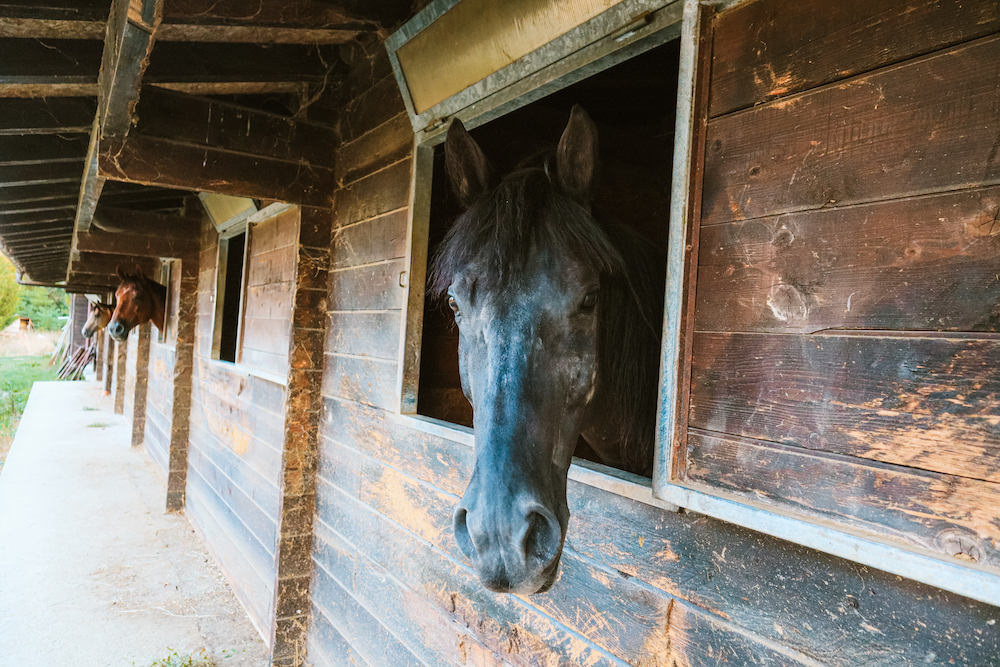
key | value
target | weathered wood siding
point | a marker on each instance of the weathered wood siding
(131, 371)
(159, 404)
(234, 459)
(846, 363)
(638, 585)
(267, 305)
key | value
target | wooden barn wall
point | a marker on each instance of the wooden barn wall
(160, 404)
(638, 586)
(846, 359)
(131, 371)
(234, 458)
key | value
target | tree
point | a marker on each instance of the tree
(45, 306)
(10, 292)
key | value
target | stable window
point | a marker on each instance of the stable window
(256, 284)
(229, 295)
(621, 67)
(170, 277)
(814, 386)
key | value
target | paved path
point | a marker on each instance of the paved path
(92, 570)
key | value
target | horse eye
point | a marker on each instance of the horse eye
(453, 304)
(589, 301)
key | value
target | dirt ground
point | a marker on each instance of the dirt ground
(93, 571)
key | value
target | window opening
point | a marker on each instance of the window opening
(633, 104)
(230, 296)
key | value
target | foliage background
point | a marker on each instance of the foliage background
(44, 305)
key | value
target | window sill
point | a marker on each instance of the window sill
(621, 483)
(249, 371)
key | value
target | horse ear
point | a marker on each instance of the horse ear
(121, 274)
(576, 156)
(469, 172)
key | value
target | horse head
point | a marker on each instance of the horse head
(524, 269)
(98, 316)
(139, 301)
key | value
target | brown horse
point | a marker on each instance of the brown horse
(139, 301)
(98, 316)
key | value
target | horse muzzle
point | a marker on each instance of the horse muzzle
(515, 547)
(118, 330)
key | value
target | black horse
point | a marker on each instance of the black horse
(559, 312)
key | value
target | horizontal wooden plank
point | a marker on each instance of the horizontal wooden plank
(921, 263)
(28, 60)
(364, 334)
(45, 173)
(142, 245)
(57, 115)
(923, 126)
(206, 122)
(381, 192)
(943, 514)
(772, 48)
(266, 335)
(372, 107)
(921, 402)
(28, 194)
(367, 637)
(154, 161)
(206, 62)
(39, 147)
(614, 615)
(368, 287)
(325, 646)
(427, 632)
(274, 266)
(269, 362)
(367, 381)
(388, 143)
(716, 565)
(259, 524)
(375, 240)
(271, 301)
(255, 593)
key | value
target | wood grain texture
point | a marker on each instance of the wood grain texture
(927, 125)
(771, 48)
(928, 403)
(375, 194)
(790, 594)
(379, 239)
(949, 516)
(921, 263)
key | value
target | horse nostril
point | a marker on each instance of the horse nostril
(462, 536)
(541, 541)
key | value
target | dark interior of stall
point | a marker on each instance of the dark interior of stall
(633, 105)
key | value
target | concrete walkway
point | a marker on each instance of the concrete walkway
(92, 571)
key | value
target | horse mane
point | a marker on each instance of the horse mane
(527, 211)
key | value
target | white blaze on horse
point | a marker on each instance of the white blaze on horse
(98, 316)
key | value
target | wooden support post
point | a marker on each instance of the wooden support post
(187, 315)
(99, 358)
(121, 354)
(303, 409)
(109, 360)
(141, 382)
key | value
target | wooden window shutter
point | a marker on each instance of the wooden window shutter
(838, 331)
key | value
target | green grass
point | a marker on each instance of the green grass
(196, 659)
(99, 425)
(17, 374)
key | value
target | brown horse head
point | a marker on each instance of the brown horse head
(98, 316)
(139, 301)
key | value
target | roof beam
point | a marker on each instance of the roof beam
(59, 115)
(137, 245)
(193, 143)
